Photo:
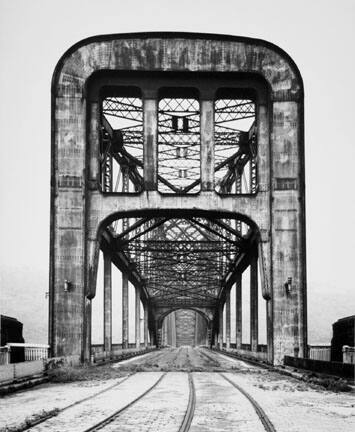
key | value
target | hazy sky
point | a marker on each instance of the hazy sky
(319, 36)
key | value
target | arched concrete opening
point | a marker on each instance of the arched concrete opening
(178, 153)
(160, 300)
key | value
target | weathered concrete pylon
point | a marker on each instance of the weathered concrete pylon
(208, 67)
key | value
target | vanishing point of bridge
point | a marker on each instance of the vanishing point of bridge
(179, 157)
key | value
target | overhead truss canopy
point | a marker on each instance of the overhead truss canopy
(184, 261)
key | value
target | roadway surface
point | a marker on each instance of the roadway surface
(175, 390)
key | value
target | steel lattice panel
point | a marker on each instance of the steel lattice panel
(181, 260)
(122, 139)
(179, 144)
(235, 146)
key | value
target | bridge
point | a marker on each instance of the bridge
(180, 158)
(177, 163)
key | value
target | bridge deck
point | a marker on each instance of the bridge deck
(182, 389)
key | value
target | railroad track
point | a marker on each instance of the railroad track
(150, 357)
(87, 398)
(185, 425)
(100, 425)
(268, 426)
(210, 358)
(190, 411)
(118, 418)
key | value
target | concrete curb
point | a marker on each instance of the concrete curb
(299, 374)
(8, 388)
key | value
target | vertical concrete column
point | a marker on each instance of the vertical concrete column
(265, 261)
(125, 311)
(196, 330)
(159, 337)
(125, 307)
(220, 326)
(150, 149)
(107, 303)
(163, 333)
(86, 356)
(209, 337)
(288, 253)
(153, 337)
(94, 139)
(269, 331)
(146, 330)
(70, 309)
(254, 303)
(138, 318)
(207, 145)
(228, 319)
(238, 312)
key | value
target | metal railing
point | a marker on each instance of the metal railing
(31, 352)
(319, 352)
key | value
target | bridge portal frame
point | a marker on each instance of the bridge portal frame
(79, 210)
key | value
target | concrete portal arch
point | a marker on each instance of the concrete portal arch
(216, 66)
(192, 324)
(206, 314)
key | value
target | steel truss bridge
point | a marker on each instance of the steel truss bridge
(180, 158)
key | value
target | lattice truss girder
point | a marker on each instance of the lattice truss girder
(181, 260)
(121, 143)
(235, 146)
(179, 145)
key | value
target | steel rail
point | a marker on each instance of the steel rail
(190, 410)
(117, 413)
(268, 426)
(216, 362)
(44, 419)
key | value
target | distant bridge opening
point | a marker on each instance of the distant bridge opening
(184, 327)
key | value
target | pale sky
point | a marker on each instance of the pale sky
(319, 35)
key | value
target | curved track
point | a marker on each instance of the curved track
(85, 399)
(100, 425)
(186, 422)
(269, 427)
(185, 426)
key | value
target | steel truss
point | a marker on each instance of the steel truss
(181, 261)
(235, 146)
(179, 145)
